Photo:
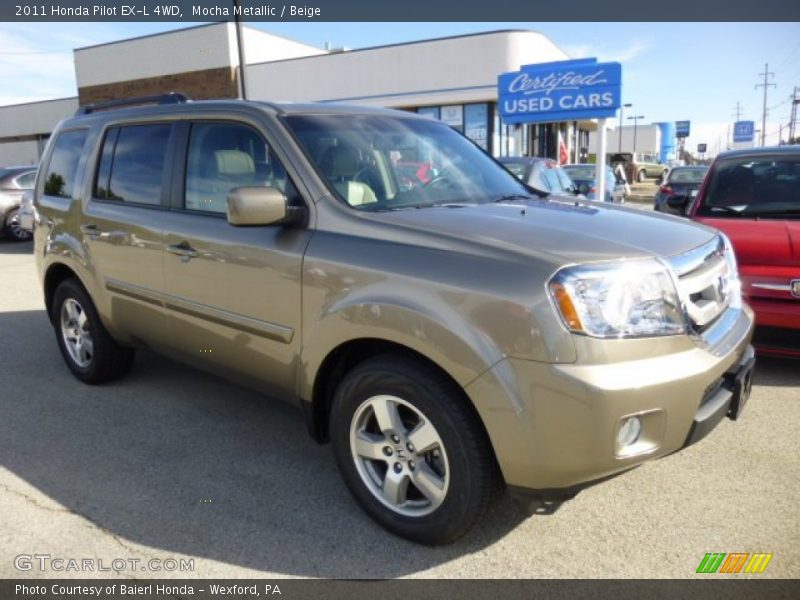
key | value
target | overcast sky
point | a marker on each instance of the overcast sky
(671, 71)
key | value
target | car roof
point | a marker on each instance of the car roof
(771, 150)
(278, 108)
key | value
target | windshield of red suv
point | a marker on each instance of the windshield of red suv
(763, 186)
(365, 160)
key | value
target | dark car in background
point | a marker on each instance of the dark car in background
(14, 181)
(680, 181)
(753, 196)
(584, 177)
(541, 173)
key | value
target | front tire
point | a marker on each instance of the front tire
(411, 450)
(88, 349)
(12, 228)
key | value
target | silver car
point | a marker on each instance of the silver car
(14, 182)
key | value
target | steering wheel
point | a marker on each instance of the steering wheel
(443, 180)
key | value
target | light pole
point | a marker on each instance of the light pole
(635, 123)
(621, 109)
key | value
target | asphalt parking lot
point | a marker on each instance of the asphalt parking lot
(174, 463)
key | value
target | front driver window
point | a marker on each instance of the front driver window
(224, 156)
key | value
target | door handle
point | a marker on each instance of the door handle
(184, 250)
(91, 230)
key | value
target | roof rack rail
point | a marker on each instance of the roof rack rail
(169, 98)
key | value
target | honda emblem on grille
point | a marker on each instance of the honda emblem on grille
(795, 287)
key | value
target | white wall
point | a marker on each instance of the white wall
(18, 153)
(180, 51)
(429, 72)
(648, 138)
(35, 117)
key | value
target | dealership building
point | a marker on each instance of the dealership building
(454, 79)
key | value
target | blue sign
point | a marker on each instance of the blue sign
(682, 129)
(743, 131)
(560, 91)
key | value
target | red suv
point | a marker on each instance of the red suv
(753, 196)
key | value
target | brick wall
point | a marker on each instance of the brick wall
(199, 85)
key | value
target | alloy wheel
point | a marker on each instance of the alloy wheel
(399, 456)
(76, 333)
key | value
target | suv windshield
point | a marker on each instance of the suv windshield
(753, 187)
(365, 159)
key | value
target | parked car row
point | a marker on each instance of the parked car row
(547, 175)
(14, 182)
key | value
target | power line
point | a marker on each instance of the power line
(789, 57)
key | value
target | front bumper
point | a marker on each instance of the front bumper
(554, 426)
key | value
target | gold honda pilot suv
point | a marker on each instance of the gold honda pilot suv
(450, 330)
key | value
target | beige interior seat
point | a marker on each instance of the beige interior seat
(340, 164)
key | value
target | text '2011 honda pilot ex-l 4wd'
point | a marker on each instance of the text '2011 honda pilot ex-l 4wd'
(448, 336)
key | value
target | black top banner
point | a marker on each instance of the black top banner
(405, 10)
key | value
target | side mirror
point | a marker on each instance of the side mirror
(678, 202)
(260, 206)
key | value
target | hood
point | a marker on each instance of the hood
(762, 242)
(559, 227)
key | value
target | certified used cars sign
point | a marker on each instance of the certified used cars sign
(560, 91)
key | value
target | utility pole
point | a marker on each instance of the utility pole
(240, 47)
(738, 112)
(766, 75)
(793, 121)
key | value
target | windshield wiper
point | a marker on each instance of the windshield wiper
(728, 209)
(507, 197)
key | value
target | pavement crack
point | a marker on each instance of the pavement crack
(35, 502)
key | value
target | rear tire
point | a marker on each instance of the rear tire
(411, 450)
(90, 352)
(12, 229)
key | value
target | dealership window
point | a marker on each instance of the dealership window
(476, 124)
(132, 164)
(453, 115)
(60, 178)
(224, 156)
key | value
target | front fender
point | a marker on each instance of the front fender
(425, 324)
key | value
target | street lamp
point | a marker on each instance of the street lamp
(621, 108)
(635, 123)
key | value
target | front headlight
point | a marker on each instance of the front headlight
(631, 299)
(731, 281)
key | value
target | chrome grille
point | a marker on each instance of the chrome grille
(704, 282)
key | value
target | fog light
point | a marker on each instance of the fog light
(629, 431)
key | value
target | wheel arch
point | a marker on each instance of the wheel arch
(348, 355)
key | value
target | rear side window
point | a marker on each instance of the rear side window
(132, 164)
(63, 167)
